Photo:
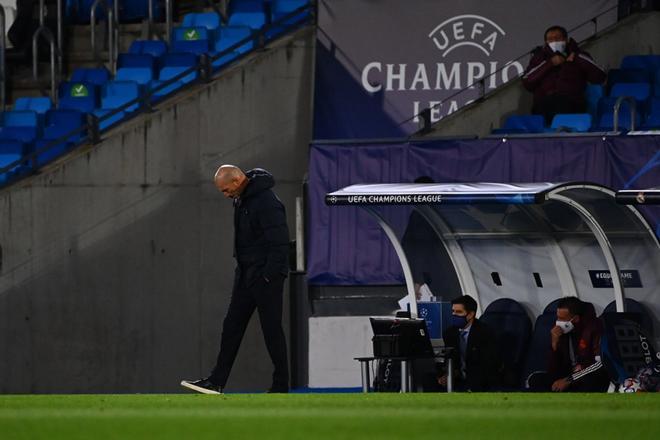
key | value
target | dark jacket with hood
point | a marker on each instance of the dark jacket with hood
(261, 235)
(578, 352)
(569, 78)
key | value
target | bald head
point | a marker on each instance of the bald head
(230, 180)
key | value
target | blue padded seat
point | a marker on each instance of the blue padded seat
(637, 311)
(210, 20)
(93, 75)
(605, 119)
(646, 62)
(83, 8)
(509, 320)
(592, 94)
(639, 91)
(82, 96)
(39, 104)
(282, 15)
(135, 67)
(248, 13)
(172, 65)
(59, 123)
(228, 37)
(653, 116)
(579, 122)
(522, 124)
(10, 152)
(155, 48)
(116, 94)
(20, 125)
(196, 39)
(615, 76)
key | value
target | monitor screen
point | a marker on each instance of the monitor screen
(412, 333)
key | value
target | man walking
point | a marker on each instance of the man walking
(261, 243)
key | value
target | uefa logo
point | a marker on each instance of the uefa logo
(466, 30)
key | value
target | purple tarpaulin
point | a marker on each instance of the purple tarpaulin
(347, 247)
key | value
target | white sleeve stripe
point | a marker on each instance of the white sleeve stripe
(590, 369)
(586, 58)
(534, 69)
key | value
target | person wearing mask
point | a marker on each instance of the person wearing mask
(574, 360)
(558, 73)
(474, 349)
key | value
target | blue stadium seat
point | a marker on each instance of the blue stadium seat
(59, 123)
(615, 76)
(637, 311)
(97, 76)
(82, 10)
(155, 48)
(646, 62)
(114, 95)
(20, 125)
(81, 96)
(195, 40)
(622, 353)
(10, 152)
(571, 122)
(639, 91)
(135, 67)
(606, 121)
(209, 20)
(247, 13)
(652, 121)
(510, 322)
(539, 346)
(522, 124)
(592, 94)
(39, 104)
(279, 11)
(172, 65)
(229, 36)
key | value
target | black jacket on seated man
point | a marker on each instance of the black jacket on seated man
(482, 365)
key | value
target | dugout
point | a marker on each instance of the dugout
(533, 242)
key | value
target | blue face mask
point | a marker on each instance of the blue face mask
(458, 321)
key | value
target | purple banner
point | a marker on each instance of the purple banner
(347, 247)
(379, 63)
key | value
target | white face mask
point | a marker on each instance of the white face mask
(565, 326)
(558, 46)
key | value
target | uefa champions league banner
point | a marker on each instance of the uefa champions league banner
(380, 63)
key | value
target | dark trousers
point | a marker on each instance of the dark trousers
(596, 382)
(551, 105)
(267, 299)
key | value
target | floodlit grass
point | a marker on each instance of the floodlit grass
(331, 416)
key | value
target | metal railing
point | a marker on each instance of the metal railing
(3, 65)
(424, 116)
(205, 71)
(633, 110)
(112, 27)
(55, 47)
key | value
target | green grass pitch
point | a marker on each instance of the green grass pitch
(331, 416)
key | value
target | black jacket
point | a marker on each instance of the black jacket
(482, 364)
(261, 235)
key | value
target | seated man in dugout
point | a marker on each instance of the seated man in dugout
(558, 73)
(475, 354)
(574, 360)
